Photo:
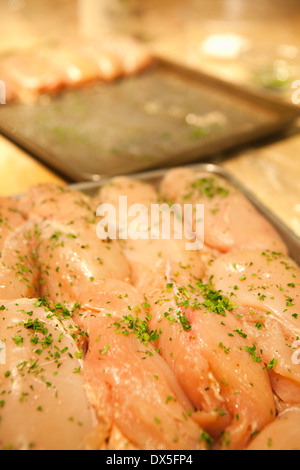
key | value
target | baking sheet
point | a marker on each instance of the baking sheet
(154, 177)
(166, 116)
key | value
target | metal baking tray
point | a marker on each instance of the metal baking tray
(154, 177)
(168, 115)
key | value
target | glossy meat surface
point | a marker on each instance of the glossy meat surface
(18, 272)
(41, 373)
(231, 393)
(154, 252)
(160, 346)
(68, 63)
(231, 222)
(125, 375)
(265, 288)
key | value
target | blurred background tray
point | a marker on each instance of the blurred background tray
(167, 116)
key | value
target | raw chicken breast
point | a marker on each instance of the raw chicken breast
(41, 373)
(129, 383)
(10, 218)
(282, 434)
(54, 202)
(231, 222)
(199, 338)
(157, 246)
(71, 65)
(29, 75)
(71, 258)
(18, 270)
(160, 347)
(265, 288)
(263, 280)
(137, 192)
(18, 274)
(70, 255)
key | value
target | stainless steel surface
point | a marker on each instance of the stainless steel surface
(166, 116)
(154, 177)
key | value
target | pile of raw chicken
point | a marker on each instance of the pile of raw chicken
(141, 344)
(61, 64)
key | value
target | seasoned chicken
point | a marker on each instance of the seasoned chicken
(231, 221)
(54, 202)
(71, 258)
(43, 404)
(10, 218)
(69, 254)
(265, 288)
(18, 272)
(125, 375)
(154, 243)
(199, 338)
(264, 280)
(116, 314)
